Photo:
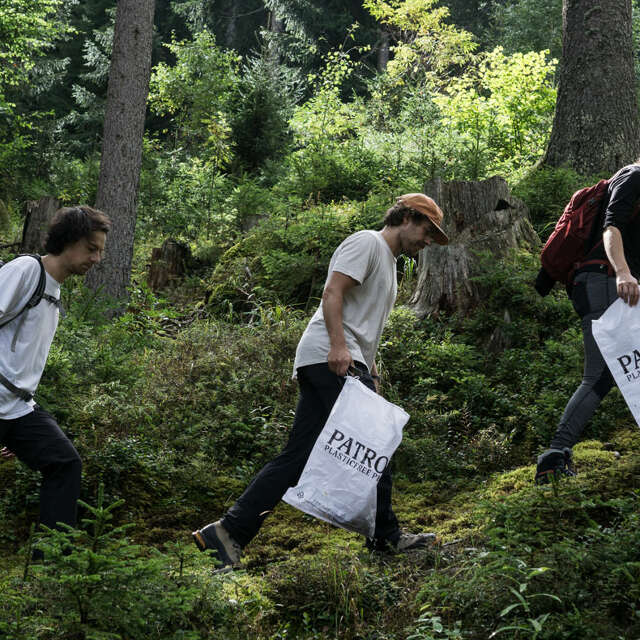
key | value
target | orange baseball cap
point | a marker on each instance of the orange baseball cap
(427, 207)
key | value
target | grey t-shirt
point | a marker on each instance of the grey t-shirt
(25, 340)
(366, 257)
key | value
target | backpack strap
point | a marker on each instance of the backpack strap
(21, 393)
(38, 294)
(55, 301)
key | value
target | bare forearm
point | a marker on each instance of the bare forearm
(614, 248)
(339, 358)
(626, 284)
(332, 311)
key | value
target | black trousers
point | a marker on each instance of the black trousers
(38, 441)
(319, 389)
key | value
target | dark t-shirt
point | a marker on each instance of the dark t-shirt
(624, 192)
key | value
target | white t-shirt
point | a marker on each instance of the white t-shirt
(366, 257)
(24, 341)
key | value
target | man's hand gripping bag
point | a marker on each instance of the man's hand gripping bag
(339, 482)
(617, 334)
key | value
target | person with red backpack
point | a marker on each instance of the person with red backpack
(608, 268)
(29, 312)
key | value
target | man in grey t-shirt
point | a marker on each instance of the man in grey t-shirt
(342, 336)
(75, 243)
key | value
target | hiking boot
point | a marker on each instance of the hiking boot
(554, 463)
(215, 538)
(405, 542)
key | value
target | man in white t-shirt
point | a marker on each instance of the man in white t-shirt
(75, 243)
(342, 336)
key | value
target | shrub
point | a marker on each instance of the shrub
(183, 196)
(283, 259)
(334, 591)
(333, 172)
(262, 105)
(499, 113)
(546, 191)
(95, 583)
(197, 90)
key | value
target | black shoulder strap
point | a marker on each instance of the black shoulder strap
(42, 283)
(37, 294)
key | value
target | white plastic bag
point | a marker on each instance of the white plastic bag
(339, 481)
(617, 334)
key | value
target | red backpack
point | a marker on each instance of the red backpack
(569, 244)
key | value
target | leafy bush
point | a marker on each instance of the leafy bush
(183, 196)
(262, 105)
(546, 191)
(560, 562)
(333, 591)
(195, 91)
(283, 259)
(73, 180)
(333, 172)
(500, 112)
(96, 584)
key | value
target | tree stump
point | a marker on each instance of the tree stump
(37, 216)
(478, 217)
(168, 264)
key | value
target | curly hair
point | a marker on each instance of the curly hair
(71, 224)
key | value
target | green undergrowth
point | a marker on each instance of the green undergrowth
(176, 404)
(564, 556)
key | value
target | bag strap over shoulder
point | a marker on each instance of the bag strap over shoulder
(21, 393)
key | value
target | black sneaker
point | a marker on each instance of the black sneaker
(214, 537)
(554, 463)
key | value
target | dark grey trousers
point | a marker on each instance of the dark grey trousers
(592, 294)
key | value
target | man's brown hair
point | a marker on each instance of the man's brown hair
(397, 213)
(71, 224)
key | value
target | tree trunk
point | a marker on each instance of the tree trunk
(38, 214)
(478, 217)
(168, 264)
(383, 51)
(275, 26)
(230, 32)
(595, 129)
(122, 142)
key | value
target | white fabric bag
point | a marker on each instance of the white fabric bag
(617, 334)
(339, 481)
